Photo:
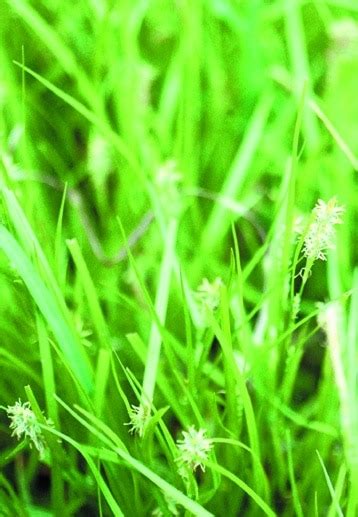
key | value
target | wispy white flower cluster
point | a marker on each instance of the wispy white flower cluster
(321, 232)
(168, 174)
(138, 418)
(208, 293)
(24, 423)
(194, 448)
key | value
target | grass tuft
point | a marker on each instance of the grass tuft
(178, 311)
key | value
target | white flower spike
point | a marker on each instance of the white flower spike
(138, 417)
(321, 232)
(208, 293)
(24, 423)
(194, 448)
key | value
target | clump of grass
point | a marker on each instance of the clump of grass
(191, 353)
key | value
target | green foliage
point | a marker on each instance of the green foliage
(178, 312)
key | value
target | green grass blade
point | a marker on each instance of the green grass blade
(219, 221)
(70, 348)
(331, 489)
(244, 486)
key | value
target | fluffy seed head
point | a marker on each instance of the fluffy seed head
(24, 423)
(194, 448)
(138, 417)
(321, 232)
(208, 293)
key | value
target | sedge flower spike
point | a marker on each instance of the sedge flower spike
(194, 448)
(321, 232)
(138, 417)
(208, 293)
(24, 423)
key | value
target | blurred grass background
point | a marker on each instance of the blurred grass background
(95, 96)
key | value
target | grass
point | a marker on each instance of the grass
(156, 160)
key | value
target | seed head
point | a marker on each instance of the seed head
(321, 232)
(208, 294)
(194, 448)
(138, 418)
(24, 423)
